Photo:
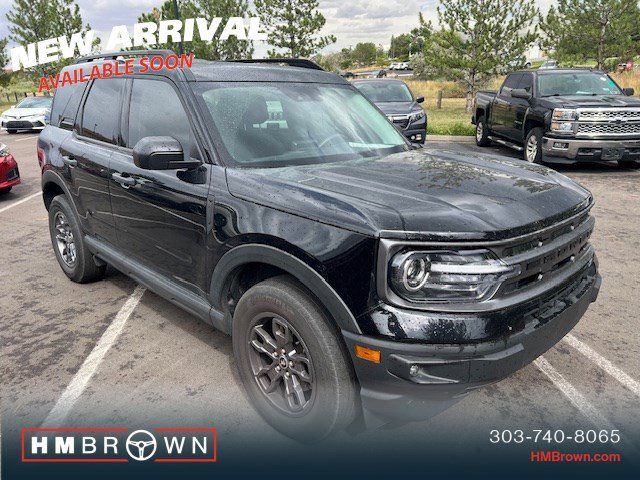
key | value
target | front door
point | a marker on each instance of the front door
(161, 216)
(501, 109)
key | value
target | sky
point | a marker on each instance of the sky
(351, 21)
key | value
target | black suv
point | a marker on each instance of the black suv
(362, 281)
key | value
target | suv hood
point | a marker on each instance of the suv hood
(397, 108)
(418, 194)
(24, 112)
(596, 101)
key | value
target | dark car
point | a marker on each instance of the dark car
(363, 280)
(397, 102)
(9, 173)
(562, 116)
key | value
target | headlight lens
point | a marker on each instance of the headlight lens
(4, 150)
(562, 127)
(448, 276)
(414, 117)
(564, 114)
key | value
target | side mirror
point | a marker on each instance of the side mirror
(628, 91)
(520, 93)
(161, 153)
(420, 100)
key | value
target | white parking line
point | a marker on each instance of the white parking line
(575, 397)
(81, 379)
(604, 364)
(18, 202)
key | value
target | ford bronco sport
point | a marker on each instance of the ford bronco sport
(363, 281)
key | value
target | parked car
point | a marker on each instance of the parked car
(562, 116)
(9, 173)
(549, 64)
(400, 66)
(360, 278)
(397, 102)
(29, 114)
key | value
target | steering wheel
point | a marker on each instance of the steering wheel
(328, 139)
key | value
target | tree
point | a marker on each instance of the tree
(232, 48)
(365, 53)
(35, 20)
(579, 30)
(293, 26)
(479, 38)
(4, 78)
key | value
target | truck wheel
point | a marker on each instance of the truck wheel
(482, 133)
(632, 164)
(11, 131)
(74, 257)
(292, 362)
(533, 146)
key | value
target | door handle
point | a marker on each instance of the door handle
(125, 181)
(69, 160)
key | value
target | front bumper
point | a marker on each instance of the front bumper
(9, 173)
(415, 381)
(571, 150)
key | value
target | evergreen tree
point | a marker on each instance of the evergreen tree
(583, 30)
(293, 26)
(479, 39)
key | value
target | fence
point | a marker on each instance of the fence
(15, 96)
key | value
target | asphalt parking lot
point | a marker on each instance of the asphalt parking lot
(109, 353)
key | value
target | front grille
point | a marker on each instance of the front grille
(598, 114)
(18, 124)
(547, 254)
(609, 128)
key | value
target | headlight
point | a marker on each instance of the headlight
(564, 114)
(562, 127)
(4, 150)
(448, 276)
(414, 117)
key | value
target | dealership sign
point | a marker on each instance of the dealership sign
(118, 445)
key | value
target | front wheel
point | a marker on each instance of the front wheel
(533, 146)
(292, 363)
(482, 133)
(11, 131)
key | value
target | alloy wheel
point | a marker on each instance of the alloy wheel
(64, 239)
(281, 365)
(479, 131)
(532, 149)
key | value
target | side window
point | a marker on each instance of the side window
(101, 113)
(526, 82)
(65, 105)
(156, 110)
(510, 83)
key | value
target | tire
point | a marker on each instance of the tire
(11, 132)
(77, 263)
(327, 398)
(482, 133)
(533, 146)
(631, 164)
(4, 191)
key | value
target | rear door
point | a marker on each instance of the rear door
(501, 105)
(87, 153)
(161, 216)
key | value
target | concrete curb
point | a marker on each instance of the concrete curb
(451, 138)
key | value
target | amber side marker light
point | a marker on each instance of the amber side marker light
(368, 354)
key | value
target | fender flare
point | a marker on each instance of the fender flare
(257, 253)
(49, 176)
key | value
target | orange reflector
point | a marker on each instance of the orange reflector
(368, 354)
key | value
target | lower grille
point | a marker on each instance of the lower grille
(18, 124)
(13, 174)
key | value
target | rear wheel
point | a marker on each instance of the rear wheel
(482, 133)
(74, 257)
(533, 146)
(292, 363)
(632, 164)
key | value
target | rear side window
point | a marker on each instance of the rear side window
(156, 110)
(101, 113)
(65, 105)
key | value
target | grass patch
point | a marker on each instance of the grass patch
(451, 119)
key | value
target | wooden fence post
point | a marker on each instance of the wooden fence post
(16, 95)
(439, 101)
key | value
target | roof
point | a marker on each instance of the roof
(222, 71)
(377, 80)
(546, 71)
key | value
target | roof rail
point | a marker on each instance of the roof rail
(123, 53)
(292, 62)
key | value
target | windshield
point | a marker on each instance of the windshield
(576, 83)
(35, 102)
(281, 124)
(383, 92)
